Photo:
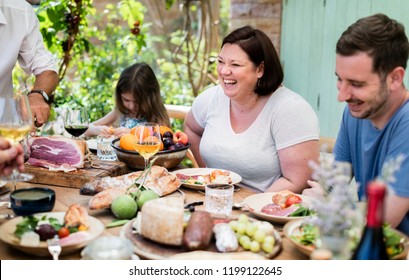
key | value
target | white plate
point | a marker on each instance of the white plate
(236, 178)
(2, 184)
(7, 229)
(92, 144)
(293, 229)
(256, 202)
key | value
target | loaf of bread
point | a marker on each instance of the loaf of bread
(162, 220)
(159, 179)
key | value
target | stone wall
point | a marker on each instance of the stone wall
(262, 14)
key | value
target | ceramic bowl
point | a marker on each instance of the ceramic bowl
(29, 201)
(165, 158)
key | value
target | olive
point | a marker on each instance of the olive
(45, 231)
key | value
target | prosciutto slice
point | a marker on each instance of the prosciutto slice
(276, 210)
(57, 153)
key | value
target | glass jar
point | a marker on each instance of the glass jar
(108, 248)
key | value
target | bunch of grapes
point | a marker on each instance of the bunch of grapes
(136, 30)
(253, 235)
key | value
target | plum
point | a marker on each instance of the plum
(167, 142)
(179, 146)
(168, 134)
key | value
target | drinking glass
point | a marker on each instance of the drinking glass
(219, 199)
(147, 140)
(15, 123)
(104, 148)
(76, 122)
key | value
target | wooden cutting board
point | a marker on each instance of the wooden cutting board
(76, 179)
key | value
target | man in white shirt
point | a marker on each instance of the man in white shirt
(21, 40)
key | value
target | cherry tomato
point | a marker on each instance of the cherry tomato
(292, 199)
(63, 232)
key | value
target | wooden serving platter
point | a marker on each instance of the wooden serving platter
(76, 179)
(147, 249)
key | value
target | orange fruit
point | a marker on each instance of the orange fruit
(164, 128)
(127, 142)
(137, 131)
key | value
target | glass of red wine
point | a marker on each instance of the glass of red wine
(76, 121)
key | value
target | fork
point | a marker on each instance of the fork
(54, 247)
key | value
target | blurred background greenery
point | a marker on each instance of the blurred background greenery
(93, 47)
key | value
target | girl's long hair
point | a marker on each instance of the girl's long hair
(140, 79)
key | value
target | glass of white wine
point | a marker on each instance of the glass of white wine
(15, 123)
(147, 140)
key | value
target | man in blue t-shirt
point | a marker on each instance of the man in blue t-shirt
(370, 65)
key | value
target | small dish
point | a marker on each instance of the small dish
(68, 245)
(256, 202)
(236, 178)
(29, 201)
(92, 145)
(292, 229)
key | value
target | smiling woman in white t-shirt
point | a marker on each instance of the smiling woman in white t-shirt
(251, 124)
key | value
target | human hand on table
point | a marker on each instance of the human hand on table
(106, 131)
(120, 131)
(315, 190)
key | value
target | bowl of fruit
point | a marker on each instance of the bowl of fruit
(171, 153)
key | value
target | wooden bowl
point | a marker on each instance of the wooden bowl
(165, 158)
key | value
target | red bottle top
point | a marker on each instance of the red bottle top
(376, 193)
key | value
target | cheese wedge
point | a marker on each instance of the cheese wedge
(162, 220)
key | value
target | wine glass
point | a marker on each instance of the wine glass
(147, 140)
(76, 122)
(15, 123)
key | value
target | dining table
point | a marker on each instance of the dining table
(69, 193)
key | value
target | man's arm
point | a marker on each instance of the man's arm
(396, 207)
(46, 81)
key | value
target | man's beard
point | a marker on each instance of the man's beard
(376, 104)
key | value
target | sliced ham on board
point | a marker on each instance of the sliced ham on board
(57, 153)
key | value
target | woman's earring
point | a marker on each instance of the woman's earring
(258, 82)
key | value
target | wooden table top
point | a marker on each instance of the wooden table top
(65, 196)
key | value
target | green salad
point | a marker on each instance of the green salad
(393, 241)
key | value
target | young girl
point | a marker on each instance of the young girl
(138, 100)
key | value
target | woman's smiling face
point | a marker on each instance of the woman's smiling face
(237, 73)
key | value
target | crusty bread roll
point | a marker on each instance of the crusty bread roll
(162, 220)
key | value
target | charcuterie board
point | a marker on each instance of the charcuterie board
(76, 179)
(147, 249)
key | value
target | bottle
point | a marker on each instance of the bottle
(372, 244)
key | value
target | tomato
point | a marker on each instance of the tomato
(63, 232)
(292, 199)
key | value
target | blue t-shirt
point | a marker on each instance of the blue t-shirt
(367, 148)
(128, 122)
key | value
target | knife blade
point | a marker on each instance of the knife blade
(4, 190)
